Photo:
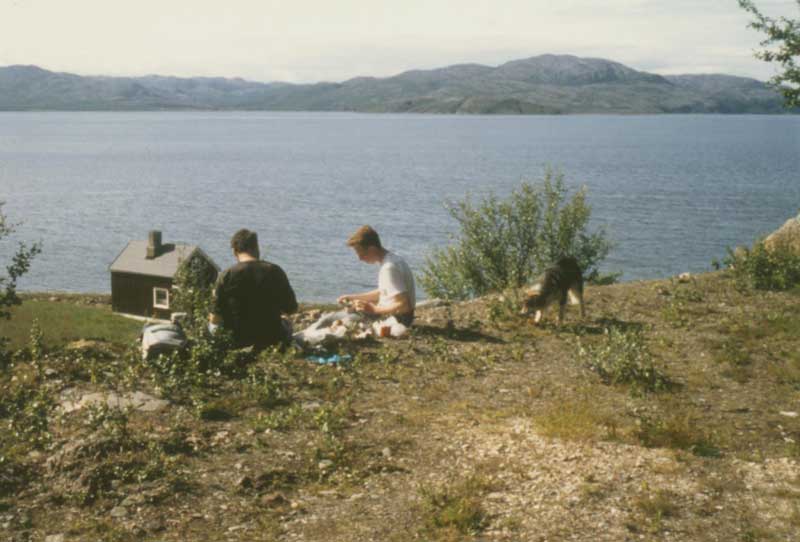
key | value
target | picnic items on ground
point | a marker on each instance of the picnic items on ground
(340, 324)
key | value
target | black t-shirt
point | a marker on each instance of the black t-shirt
(250, 297)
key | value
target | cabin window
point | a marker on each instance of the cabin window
(161, 298)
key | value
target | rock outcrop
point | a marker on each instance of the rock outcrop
(787, 235)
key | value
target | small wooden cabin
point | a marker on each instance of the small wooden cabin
(143, 274)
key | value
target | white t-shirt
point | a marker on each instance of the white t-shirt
(394, 278)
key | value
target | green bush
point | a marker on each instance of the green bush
(762, 268)
(20, 263)
(623, 358)
(192, 293)
(207, 358)
(25, 409)
(505, 243)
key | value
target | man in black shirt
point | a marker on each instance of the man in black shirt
(250, 297)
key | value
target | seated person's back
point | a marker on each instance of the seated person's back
(250, 297)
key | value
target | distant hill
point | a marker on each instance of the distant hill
(546, 84)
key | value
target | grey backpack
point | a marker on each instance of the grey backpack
(160, 339)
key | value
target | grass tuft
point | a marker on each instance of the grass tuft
(575, 419)
(679, 428)
(454, 512)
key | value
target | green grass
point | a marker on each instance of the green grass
(65, 322)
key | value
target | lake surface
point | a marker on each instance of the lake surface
(672, 191)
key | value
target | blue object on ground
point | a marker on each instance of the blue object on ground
(326, 360)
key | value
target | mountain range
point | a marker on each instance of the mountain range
(546, 84)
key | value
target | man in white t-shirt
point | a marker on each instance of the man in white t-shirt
(395, 295)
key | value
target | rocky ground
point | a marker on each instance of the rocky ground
(669, 413)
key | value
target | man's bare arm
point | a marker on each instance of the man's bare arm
(369, 297)
(399, 304)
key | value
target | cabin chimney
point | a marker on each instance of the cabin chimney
(153, 244)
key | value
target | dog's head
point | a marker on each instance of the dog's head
(533, 302)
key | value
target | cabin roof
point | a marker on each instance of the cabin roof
(133, 259)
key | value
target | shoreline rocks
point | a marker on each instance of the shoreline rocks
(787, 235)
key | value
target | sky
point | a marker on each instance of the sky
(305, 41)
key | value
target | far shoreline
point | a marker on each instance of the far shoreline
(442, 114)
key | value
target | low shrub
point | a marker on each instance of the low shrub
(207, 358)
(192, 293)
(18, 266)
(762, 268)
(25, 409)
(263, 386)
(113, 423)
(506, 307)
(623, 358)
(506, 243)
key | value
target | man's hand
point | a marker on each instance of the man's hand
(343, 299)
(214, 321)
(364, 306)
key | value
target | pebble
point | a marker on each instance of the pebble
(24, 520)
(119, 512)
(54, 538)
(154, 525)
(219, 438)
(387, 453)
(137, 400)
(329, 493)
(788, 414)
(132, 500)
(273, 500)
(325, 464)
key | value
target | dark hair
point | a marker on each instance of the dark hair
(365, 237)
(245, 240)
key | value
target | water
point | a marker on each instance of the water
(672, 191)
